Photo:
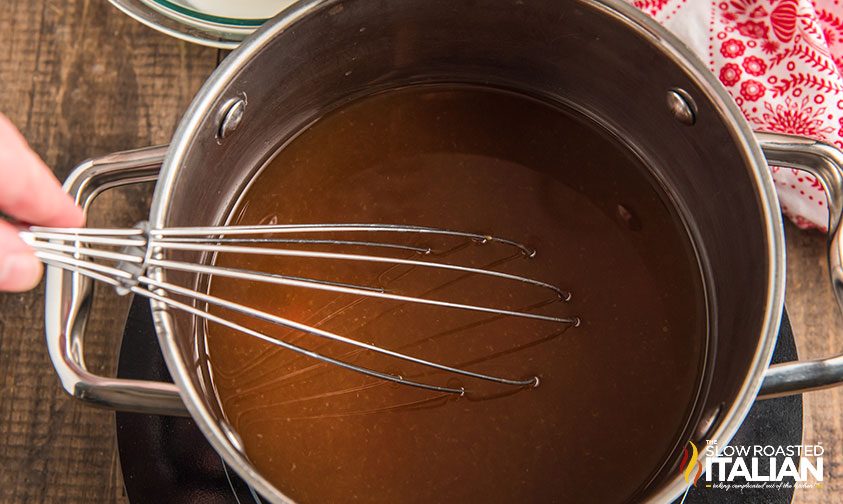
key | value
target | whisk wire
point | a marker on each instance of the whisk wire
(285, 322)
(334, 228)
(354, 257)
(73, 249)
(310, 284)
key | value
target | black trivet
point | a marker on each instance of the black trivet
(167, 460)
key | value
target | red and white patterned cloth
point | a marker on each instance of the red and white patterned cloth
(781, 61)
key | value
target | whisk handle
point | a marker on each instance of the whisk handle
(69, 296)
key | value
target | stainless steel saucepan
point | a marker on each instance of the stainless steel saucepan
(602, 57)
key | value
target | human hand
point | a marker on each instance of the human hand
(28, 192)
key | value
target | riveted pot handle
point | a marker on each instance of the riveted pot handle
(826, 163)
(69, 296)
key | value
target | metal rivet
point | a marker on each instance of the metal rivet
(682, 106)
(707, 422)
(232, 117)
(232, 436)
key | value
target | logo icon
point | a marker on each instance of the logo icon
(690, 458)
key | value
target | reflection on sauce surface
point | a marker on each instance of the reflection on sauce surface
(615, 393)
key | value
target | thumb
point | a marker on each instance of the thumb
(20, 270)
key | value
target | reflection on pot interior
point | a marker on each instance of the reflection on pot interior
(616, 393)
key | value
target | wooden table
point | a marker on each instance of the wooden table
(80, 80)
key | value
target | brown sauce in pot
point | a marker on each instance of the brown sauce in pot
(616, 393)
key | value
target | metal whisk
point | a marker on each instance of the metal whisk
(123, 257)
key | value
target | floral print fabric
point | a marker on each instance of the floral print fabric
(781, 61)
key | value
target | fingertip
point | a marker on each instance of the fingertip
(59, 211)
(7, 127)
(20, 272)
(70, 215)
(76, 217)
(33, 194)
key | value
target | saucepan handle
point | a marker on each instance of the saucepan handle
(826, 163)
(69, 296)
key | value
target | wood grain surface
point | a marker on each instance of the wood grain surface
(80, 79)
